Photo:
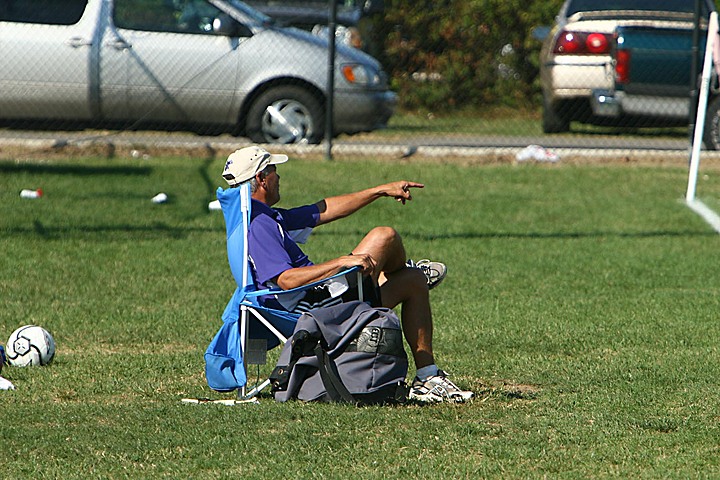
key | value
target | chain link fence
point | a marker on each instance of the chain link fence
(477, 77)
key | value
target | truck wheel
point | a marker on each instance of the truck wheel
(711, 132)
(552, 120)
(285, 114)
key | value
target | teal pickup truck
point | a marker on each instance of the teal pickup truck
(653, 67)
(625, 63)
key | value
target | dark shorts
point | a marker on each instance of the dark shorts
(319, 297)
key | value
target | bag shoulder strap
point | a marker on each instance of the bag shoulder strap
(335, 388)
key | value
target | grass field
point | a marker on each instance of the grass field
(581, 305)
(505, 122)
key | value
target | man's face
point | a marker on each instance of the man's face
(272, 185)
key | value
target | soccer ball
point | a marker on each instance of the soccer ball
(30, 345)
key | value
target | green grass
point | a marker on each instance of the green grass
(505, 122)
(581, 306)
(493, 122)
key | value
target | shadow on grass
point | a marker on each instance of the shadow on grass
(163, 230)
(108, 233)
(82, 170)
(204, 172)
(536, 235)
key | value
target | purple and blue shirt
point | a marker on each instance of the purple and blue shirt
(271, 247)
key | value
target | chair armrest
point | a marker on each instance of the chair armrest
(279, 291)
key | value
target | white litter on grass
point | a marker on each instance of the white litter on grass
(537, 153)
(6, 384)
(214, 205)
(160, 198)
(227, 402)
(139, 154)
(31, 194)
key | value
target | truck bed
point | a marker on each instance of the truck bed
(660, 60)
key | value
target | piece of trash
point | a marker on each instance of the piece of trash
(536, 152)
(139, 154)
(228, 402)
(160, 198)
(6, 384)
(27, 193)
(408, 151)
(214, 205)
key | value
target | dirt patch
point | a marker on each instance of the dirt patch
(525, 392)
(511, 390)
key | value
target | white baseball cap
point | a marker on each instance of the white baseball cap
(242, 165)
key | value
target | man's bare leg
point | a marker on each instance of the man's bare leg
(385, 246)
(402, 285)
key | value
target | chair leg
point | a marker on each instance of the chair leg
(245, 311)
(256, 390)
(243, 343)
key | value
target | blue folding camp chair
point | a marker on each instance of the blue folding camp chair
(244, 319)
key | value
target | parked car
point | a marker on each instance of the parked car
(579, 68)
(203, 64)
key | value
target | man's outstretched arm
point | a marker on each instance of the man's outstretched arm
(333, 208)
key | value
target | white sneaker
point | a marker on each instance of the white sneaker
(434, 271)
(438, 388)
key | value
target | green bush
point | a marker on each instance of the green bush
(463, 53)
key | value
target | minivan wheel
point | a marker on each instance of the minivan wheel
(285, 114)
(711, 132)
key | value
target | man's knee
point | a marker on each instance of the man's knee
(386, 236)
(386, 248)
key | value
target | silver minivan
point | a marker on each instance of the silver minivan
(205, 64)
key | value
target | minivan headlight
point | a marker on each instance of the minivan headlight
(358, 74)
(349, 36)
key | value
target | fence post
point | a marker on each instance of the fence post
(694, 71)
(332, 24)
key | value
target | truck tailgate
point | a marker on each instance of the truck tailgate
(660, 59)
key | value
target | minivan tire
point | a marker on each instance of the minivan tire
(299, 117)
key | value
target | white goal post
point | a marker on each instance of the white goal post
(696, 205)
(710, 45)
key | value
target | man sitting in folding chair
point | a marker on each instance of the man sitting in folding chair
(277, 261)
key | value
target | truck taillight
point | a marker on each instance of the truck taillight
(622, 66)
(582, 43)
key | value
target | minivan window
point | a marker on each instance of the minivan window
(175, 16)
(50, 12)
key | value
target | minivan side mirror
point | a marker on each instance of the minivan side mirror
(373, 6)
(225, 25)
